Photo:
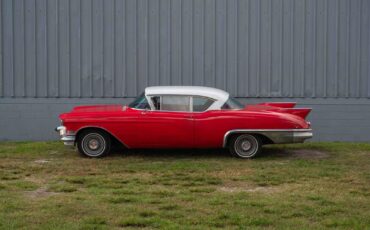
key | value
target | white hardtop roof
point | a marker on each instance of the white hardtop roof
(214, 93)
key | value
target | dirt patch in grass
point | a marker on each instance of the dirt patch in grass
(39, 193)
(308, 154)
(243, 187)
(36, 180)
(41, 161)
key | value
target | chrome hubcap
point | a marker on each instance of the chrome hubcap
(246, 145)
(93, 144)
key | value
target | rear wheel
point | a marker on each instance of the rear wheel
(94, 143)
(245, 146)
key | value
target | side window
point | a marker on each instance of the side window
(201, 104)
(232, 103)
(171, 103)
(156, 102)
(140, 103)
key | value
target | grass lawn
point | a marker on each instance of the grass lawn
(43, 185)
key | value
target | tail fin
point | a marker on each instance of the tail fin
(300, 112)
(280, 104)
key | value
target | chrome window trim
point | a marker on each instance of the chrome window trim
(149, 97)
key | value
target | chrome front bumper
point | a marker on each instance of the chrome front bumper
(67, 139)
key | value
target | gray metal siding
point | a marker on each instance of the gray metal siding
(35, 119)
(251, 48)
(55, 54)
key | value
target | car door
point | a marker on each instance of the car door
(208, 125)
(168, 125)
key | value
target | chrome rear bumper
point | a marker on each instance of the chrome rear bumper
(67, 139)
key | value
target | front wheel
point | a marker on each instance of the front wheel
(245, 146)
(94, 143)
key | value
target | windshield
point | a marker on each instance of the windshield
(140, 102)
(232, 103)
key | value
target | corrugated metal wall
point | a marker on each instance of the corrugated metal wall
(251, 48)
(55, 54)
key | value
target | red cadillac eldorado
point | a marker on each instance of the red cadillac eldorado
(184, 117)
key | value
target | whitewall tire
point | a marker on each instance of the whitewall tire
(245, 146)
(94, 143)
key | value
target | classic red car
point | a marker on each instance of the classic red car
(184, 117)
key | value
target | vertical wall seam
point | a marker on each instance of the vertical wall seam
(124, 88)
(81, 53)
(36, 48)
(302, 94)
(192, 43)
(337, 51)
(159, 41)
(326, 49)
(247, 93)
(124, 93)
(46, 50)
(292, 52)
(92, 51)
(13, 56)
(237, 48)
(314, 55)
(281, 51)
(170, 42)
(358, 48)
(368, 53)
(58, 50)
(259, 51)
(136, 48)
(102, 74)
(216, 49)
(269, 77)
(226, 46)
(204, 43)
(348, 49)
(181, 41)
(1, 49)
(69, 94)
(147, 43)
(215, 46)
(25, 49)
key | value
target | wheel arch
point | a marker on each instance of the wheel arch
(228, 136)
(112, 136)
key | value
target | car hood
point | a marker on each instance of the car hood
(97, 108)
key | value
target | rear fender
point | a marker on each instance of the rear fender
(300, 112)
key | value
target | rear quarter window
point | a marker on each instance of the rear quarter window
(201, 104)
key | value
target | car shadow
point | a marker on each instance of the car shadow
(268, 152)
(171, 153)
(289, 153)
